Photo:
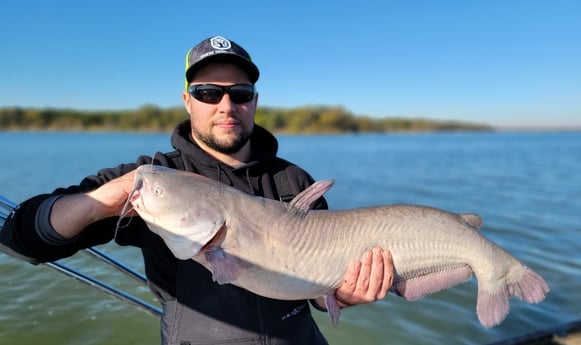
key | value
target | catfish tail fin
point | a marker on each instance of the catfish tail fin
(492, 307)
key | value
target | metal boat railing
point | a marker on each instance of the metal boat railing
(7, 206)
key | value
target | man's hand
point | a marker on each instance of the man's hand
(367, 280)
(112, 195)
(72, 213)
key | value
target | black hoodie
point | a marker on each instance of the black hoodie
(196, 310)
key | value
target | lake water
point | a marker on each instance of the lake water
(526, 186)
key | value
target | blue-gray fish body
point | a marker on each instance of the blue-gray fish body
(285, 251)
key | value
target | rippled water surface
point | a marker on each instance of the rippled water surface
(526, 186)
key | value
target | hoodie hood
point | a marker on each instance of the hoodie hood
(264, 148)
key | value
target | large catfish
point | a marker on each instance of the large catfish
(287, 251)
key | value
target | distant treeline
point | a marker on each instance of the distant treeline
(152, 118)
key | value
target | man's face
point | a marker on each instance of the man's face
(224, 127)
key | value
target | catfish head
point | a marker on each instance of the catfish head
(168, 202)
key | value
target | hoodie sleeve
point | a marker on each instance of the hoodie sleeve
(28, 235)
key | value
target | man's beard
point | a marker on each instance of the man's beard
(224, 146)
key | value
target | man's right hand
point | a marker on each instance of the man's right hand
(112, 195)
(72, 213)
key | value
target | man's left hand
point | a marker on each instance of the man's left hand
(367, 280)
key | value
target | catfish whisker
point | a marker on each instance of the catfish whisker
(127, 208)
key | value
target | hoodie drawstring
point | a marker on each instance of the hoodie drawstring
(248, 180)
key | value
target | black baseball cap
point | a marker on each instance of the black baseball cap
(219, 49)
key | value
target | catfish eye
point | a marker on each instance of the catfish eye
(158, 191)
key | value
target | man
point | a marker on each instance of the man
(220, 141)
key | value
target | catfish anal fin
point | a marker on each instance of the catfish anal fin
(412, 289)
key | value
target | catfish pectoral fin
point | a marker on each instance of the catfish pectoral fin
(225, 268)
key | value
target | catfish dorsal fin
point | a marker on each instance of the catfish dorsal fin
(472, 219)
(304, 200)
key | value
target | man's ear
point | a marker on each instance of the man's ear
(187, 100)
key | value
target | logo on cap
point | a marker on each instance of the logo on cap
(220, 43)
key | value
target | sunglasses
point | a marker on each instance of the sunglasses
(212, 93)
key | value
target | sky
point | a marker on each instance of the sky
(497, 62)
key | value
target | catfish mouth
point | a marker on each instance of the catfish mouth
(134, 195)
(128, 206)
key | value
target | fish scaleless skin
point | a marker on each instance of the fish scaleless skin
(286, 251)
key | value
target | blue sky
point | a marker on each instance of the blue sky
(500, 62)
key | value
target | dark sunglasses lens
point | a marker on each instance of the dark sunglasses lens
(208, 94)
(241, 94)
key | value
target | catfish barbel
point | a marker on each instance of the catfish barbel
(288, 251)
